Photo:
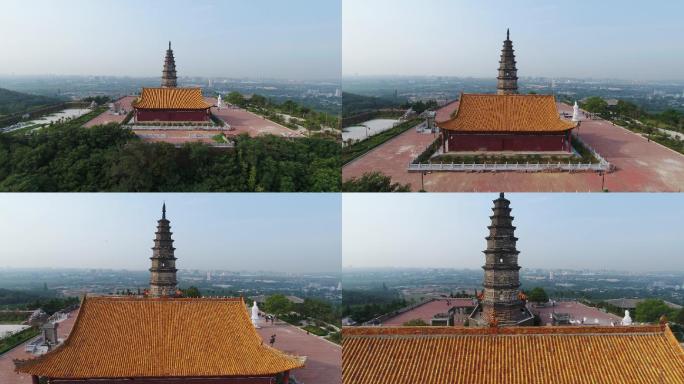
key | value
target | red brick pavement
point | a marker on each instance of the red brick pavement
(641, 166)
(577, 311)
(427, 311)
(243, 121)
(323, 358)
(106, 117)
(7, 373)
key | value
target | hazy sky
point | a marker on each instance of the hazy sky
(636, 232)
(270, 232)
(297, 39)
(628, 39)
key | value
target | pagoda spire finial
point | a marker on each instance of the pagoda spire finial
(164, 210)
(169, 45)
(508, 35)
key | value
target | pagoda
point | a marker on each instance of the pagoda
(163, 271)
(169, 78)
(502, 302)
(507, 81)
(169, 103)
(507, 121)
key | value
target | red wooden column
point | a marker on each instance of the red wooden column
(286, 377)
(34, 379)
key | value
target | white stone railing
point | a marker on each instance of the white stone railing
(602, 166)
(208, 127)
(509, 167)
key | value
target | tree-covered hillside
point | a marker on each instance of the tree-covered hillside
(16, 102)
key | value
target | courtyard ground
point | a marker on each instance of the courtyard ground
(107, 117)
(428, 310)
(7, 373)
(577, 312)
(642, 166)
(323, 358)
(243, 121)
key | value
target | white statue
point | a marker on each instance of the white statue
(575, 113)
(255, 315)
(219, 103)
(627, 320)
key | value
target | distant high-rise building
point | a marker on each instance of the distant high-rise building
(508, 73)
(169, 79)
(163, 271)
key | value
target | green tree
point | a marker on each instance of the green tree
(278, 305)
(680, 317)
(650, 311)
(192, 291)
(596, 104)
(374, 182)
(236, 98)
(415, 323)
(538, 295)
(317, 309)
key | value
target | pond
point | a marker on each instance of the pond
(47, 119)
(368, 128)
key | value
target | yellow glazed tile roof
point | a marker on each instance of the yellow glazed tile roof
(119, 337)
(171, 98)
(512, 355)
(507, 113)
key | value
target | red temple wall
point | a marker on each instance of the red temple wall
(507, 142)
(168, 115)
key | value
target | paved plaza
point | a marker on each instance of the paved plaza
(7, 374)
(642, 166)
(108, 117)
(578, 312)
(323, 358)
(243, 121)
(428, 310)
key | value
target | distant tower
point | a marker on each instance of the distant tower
(163, 270)
(501, 301)
(169, 74)
(508, 73)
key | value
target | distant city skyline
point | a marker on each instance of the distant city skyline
(627, 232)
(257, 39)
(603, 40)
(288, 233)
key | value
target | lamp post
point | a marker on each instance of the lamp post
(422, 180)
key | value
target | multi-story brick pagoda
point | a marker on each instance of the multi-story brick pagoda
(502, 302)
(507, 121)
(170, 103)
(163, 270)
